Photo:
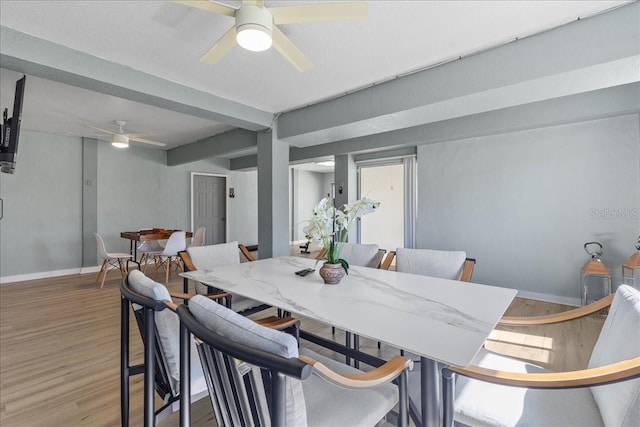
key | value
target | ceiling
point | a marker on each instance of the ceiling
(165, 40)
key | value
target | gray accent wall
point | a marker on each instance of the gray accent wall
(42, 223)
(524, 203)
(46, 220)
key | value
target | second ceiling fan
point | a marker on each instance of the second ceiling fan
(256, 26)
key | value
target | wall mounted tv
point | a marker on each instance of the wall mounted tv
(10, 131)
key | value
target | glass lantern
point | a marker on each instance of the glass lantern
(631, 269)
(595, 277)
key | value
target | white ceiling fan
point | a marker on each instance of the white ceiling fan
(256, 26)
(120, 139)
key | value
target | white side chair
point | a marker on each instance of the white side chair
(198, 237)
(149, 249)
(177, 242)
(500, 390)
(112, 260)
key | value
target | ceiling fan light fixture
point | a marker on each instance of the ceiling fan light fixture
(254, 25)
(120, 141)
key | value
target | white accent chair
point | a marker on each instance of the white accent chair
(111, 260)
(177, 242)
(307, 389)
(210, 257)
(499, 390)
(149, 249)
(198, 237)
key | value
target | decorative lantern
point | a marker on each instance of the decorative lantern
(631, 269)
(595, 277)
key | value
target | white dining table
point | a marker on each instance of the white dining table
(442, 321)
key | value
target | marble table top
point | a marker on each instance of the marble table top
(443, 320)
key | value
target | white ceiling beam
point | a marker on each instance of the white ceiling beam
(591, 54)
(37, 57)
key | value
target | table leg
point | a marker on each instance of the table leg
(430, 401)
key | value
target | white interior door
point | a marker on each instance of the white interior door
(209, 206)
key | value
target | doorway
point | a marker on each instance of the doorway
(209, 206)
(392, 183)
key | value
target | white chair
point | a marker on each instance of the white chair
(198, 238)
(149, 249)
(499, 390)
(209, 258)
(307, 389)
(112, 260)
(177, 242)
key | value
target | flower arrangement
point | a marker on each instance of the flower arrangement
(330, 226)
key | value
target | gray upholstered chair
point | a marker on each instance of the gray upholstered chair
(210, 257)
(499, 390)
(163, 374)
(366, 255)
(427, 262)
(305, 388)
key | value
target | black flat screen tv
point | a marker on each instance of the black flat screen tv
(10, 131)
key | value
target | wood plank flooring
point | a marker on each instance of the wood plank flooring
(59, 351)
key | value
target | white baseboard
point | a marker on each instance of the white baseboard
(550, 298)
(46, 274)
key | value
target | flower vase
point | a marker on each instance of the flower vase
(331, 273)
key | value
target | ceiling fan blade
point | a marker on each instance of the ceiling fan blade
(211, 6)
(286, 47)
(102, 130)
(147, 141)
(222, 46)
(319, 12)
(256, 2)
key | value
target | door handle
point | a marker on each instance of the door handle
(1, 208)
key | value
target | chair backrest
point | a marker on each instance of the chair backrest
(198, 238)
(211, 256)
(366, 255)
(177, 242)
(150, 246)
(102, 251)
(167, 327)
(619, 339)
(230, 336)
(427, 262)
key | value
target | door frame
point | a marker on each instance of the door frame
(226, 205)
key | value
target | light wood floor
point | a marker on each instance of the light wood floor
(59, 351)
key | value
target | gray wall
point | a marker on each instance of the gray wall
(524, 203)
(42, 226)
(308, 190)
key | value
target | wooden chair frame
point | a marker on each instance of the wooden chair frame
(620, 371)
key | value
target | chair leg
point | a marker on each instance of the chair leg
(166, 278)
(104, 270)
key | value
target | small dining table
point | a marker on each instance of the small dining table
(150, 234)
(442, 321)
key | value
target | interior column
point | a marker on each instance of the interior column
(346, 181)
(273, 195)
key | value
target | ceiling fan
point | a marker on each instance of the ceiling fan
(256, 26)
(120, 139)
